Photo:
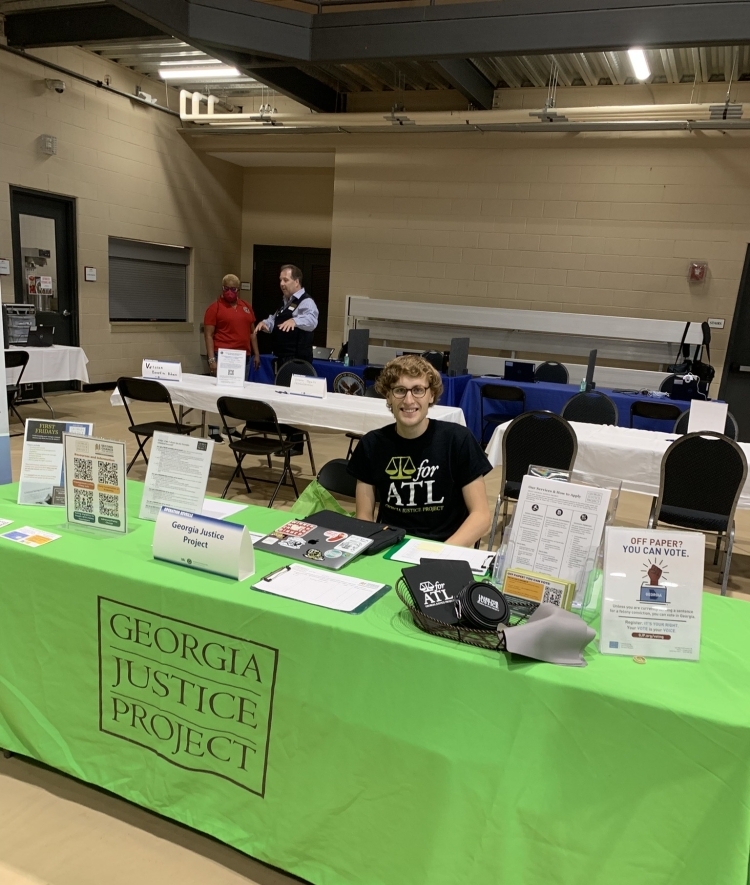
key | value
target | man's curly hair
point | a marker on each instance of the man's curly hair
(409, 366)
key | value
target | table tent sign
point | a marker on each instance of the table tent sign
(5, 474)
(230, 368)
(203, 543)
(304, 385)
(652, 593)
(42, 464)
(177, 474)
(161, 370)
(95, 482)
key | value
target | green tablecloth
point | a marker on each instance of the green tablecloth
(354, 749)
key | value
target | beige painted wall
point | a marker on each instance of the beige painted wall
(290, 206)
(133, 176)
(573, 223)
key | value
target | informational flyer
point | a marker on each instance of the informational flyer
(557, 527)
(95, 482)
(177, 474)
(30, 537)
(652, 593)
(42, 464)
(230, 367)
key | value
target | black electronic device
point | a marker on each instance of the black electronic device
(436, 584)
(482, 606)
(459, 357)
(382, 535)
(359, 346)
(40, 337)
(519, 371)
(589, 382)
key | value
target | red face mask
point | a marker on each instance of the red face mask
(229, 295)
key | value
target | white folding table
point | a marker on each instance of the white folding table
(336, 411)
(60, 362)
(610, 455)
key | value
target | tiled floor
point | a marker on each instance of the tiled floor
(56, 831)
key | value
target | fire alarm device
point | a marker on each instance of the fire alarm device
(697, 271)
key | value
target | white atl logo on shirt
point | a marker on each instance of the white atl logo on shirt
(412, 478)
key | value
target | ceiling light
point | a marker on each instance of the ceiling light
(639, 63)
(196, 74)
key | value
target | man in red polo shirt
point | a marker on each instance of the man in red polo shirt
(229, 323)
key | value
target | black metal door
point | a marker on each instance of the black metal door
(315, 265)
(735, 381)
(44, 259)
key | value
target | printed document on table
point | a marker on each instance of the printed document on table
(415, 549)
(177, 474)
(557, 527)
(328, 589)
(42, 466)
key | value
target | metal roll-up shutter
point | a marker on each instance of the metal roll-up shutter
(147, 281)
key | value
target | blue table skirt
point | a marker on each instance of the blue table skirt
(552, 398)
(453, 388)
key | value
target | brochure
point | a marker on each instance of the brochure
(95, 482)
(177, 474)
(42, 465)
(652, 593)
(557, 528)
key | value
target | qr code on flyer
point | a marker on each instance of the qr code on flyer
(108, 473)
(83, 500)
(82, 469)
(553, 595)
(109, 505)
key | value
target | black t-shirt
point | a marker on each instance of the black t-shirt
(420, 481)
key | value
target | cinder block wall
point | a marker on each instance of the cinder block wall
(133, 176)
(571, 222)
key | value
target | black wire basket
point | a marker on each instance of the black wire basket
(491, 639)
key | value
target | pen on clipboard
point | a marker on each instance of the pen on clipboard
(279, 571)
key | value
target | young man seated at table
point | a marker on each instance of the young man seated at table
(429, 474)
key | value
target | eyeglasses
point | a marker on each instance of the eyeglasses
(230, 288)
(418, 392)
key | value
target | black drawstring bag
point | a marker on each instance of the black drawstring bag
(704, 371)
(683, 367)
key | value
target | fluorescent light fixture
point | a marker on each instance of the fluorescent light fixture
(639, 63)
(195, 74)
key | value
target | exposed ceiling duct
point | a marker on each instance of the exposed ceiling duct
(630, 118)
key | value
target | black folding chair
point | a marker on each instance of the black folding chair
(654, 411)
(667, 384)
(540, 438)
(262, 435)
(702, 476)
(294, 367)
(555, 373)
(590, 407)
(16, 359)
(731, 428)
(146, 391)
(498, 393)
(370, 374)
(436, 358)
(336, 478)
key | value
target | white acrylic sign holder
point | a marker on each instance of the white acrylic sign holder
(161, 370)
(304, 385)
(203, 543)
(230, 368)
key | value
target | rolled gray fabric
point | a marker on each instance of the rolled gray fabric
(551, 634)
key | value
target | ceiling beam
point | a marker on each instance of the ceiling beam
(449, 30)
(473, 85)
(74, 25)
(300, 86)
